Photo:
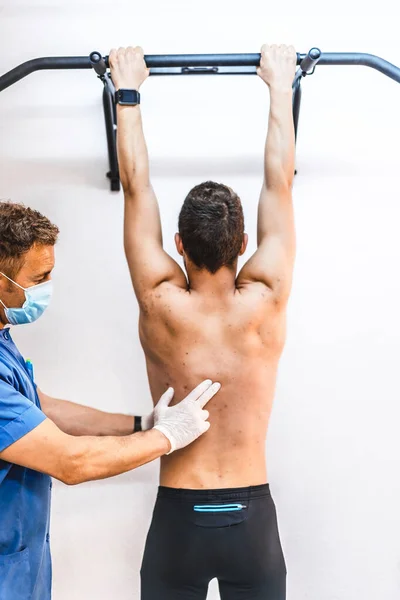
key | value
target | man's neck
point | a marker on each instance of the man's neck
(218, 284)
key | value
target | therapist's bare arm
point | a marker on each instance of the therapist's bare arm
(74, 460)
(77, 419)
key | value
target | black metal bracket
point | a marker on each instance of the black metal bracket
(110, 118)
(191, 64)
(307, 67)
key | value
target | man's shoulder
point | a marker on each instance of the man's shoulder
(165, 296)
(256, 293)
(167, 289)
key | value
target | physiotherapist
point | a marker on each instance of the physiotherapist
(41, 437)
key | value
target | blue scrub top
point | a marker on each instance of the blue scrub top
(25, 564)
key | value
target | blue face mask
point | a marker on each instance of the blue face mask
(37, 300)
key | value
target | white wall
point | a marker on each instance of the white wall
(334, 449)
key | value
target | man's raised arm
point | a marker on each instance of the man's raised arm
(149, 264)
(272, 264)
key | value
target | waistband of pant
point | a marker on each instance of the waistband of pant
(224, 494)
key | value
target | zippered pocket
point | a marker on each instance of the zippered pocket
(219, 515)
(218, 508)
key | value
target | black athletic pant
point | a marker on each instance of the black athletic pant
(230, 534)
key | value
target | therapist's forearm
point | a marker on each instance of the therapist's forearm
(75, 460)
(76, 419)
(99, 458)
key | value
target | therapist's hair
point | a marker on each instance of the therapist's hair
(22, 228)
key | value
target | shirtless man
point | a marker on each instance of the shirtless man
(213, 323)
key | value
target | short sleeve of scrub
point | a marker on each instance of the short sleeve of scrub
(18, 414)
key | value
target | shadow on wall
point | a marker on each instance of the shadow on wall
(92, 173)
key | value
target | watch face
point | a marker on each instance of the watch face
(128, 96)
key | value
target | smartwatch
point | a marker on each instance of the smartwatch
(126, 97)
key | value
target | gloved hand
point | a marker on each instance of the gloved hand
(186, 421)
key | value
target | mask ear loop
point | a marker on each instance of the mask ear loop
(0, 298)
(14, 282)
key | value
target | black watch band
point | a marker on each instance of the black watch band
(138, 425)
(126, 97)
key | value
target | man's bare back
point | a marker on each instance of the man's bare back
(235, 338)
(212, 323)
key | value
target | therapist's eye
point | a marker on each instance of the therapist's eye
(43, 279)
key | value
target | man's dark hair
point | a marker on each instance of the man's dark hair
(211, 225)
(21, 228)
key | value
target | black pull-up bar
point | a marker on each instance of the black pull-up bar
(186, 64)
(191, 64)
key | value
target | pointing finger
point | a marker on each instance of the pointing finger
(208, 394)
(198, 391)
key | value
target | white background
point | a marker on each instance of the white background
(334, 449)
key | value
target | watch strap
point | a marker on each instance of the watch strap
(137, 424)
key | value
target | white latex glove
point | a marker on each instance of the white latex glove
(186, 421)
